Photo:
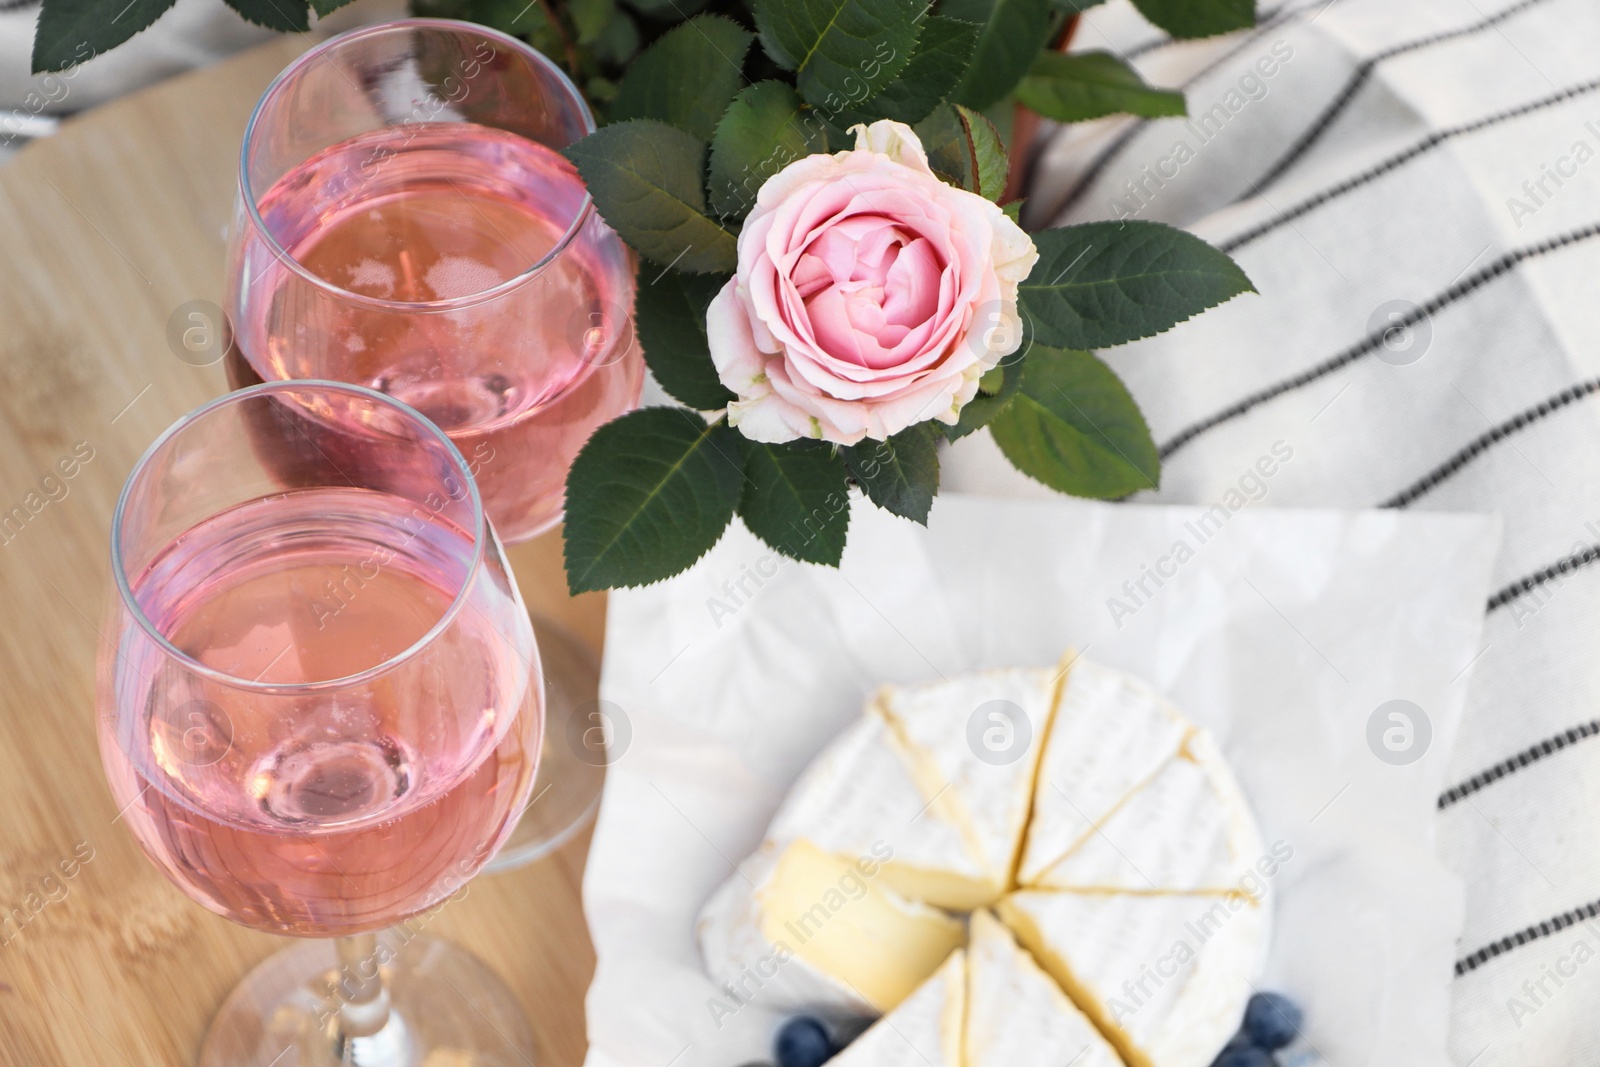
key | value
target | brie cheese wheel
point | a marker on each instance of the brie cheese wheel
(801, 926)
(1016, 1014)
(1111, 735)
(1189, 830)
(1164, 977)
(924, 1031)
(974, 742)
(1108, 834)
(862, 795)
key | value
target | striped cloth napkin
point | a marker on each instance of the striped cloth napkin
(1414, 188)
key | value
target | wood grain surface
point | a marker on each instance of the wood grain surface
(105, 230)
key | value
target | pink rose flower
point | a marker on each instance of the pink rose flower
(869, 296)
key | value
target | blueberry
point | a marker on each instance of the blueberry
(1272, 1020)
(1239, 1040)
(803, 1042)
(1244, 1056)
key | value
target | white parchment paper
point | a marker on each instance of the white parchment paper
(1284, 632)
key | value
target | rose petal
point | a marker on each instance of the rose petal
(740, 365)
(893, 139)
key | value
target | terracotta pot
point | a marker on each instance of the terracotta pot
(1025, 128)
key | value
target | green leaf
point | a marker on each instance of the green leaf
(797, 499)
(648, 495)
(70, 32)
(1076, 7)
(940, 59)
(686, 77)
(465, 10)
(1013, 210)
(670, 319)
(900, 475)
(766, 128)
(667, 10)
(944, 138)
(964, 149)
(589, 17)
(842, 51)
(645, 177)
(995, 390)
(285, 16)
(1003, 117)
(617, 42)
(989, 162)
(1106, 283)
(516, 17)
(1198, 18)
(324, 8)
(1087, 85)
(1013, 32)
(1073, 426)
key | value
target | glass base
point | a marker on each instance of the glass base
(573, 754)
(446, 1009)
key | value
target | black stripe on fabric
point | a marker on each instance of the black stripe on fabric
(1548, 746)
(1559, 569)
(1374, 339)
(1481, 444)
(1361, 75)
(1136, 126)
(1155, 44)
(1422, 147)
(1533, 933)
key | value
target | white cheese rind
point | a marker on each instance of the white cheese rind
(1111, 735)
(1190, 830)
(861, 794)
(924, 1031)
(1017, 1015)
(1165, 978)
(977, 740)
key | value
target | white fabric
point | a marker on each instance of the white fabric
(1525, 836)
(723, 683)
(193, 33)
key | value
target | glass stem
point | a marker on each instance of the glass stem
(363, 998)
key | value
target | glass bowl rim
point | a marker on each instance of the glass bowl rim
(481, 533)
(279, 84)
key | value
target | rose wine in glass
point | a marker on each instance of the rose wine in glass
(455, 210)
(320, 710)
(406, 222)
(233, 802)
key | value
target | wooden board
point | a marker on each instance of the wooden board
(105, 230)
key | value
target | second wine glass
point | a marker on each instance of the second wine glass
(406, 222)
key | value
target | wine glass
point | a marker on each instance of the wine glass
(405, 221)
(319, 707)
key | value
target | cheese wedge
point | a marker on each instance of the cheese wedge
(1016, 1014)
(924, 1031)
(862, 797)
(1190, 831)
(1165, 978)
(802, 927)
(1111, 735)
(975, 741)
